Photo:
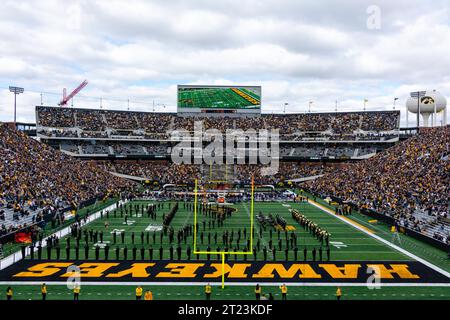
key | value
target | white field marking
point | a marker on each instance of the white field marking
(230, 284)
(154, 228)
(338, 244)
(17, 256)
(117, 231)
(405, 252)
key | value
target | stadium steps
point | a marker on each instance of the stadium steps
(291, 153)
(9, 220)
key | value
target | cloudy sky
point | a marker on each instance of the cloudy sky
(297, 50)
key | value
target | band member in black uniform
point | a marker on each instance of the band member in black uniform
(106, 252)
(86, 251)
(125, 253)
(150, 252)
(97, 253)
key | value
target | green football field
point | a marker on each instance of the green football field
(351, 242)
(217, 98)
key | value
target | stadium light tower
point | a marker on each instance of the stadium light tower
(309, 108)
(395, 99)
(16, 91)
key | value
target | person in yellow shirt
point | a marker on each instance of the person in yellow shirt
(76, 292)
(208, 291)
(284, 291)
(338, 293)
(44, 291)
(9, 293)
(148, 295)
(138, 293)
(258, 292)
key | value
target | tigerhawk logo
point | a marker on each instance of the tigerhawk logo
(427, 100)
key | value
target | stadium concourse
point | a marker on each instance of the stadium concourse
(344, 180)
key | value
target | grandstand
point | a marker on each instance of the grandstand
(87, 133)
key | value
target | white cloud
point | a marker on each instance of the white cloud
(297, 50)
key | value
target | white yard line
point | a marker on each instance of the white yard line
(386, 242)
(17, 256)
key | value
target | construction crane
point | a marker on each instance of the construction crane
(66, 99)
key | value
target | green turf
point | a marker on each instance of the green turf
(423, 250)
(214, 98)
(27, 292)
(359, 247)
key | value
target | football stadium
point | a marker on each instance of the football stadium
(114, 211)
(221, 195)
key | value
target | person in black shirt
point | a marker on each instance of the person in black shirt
(97, 252)
(150, 252)
(188, 252)
(179, 252)
(171, 252)
(86, 251)
(31, 252)
(49, 252)
(134, 252)
(106, 251)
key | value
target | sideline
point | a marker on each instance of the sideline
(17, 256)
(371, 234)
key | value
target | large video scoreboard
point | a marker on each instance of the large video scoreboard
(192, 98)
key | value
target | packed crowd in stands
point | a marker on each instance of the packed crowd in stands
(413, 175)
(33, 176)
(288, 124)
(165, 172)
